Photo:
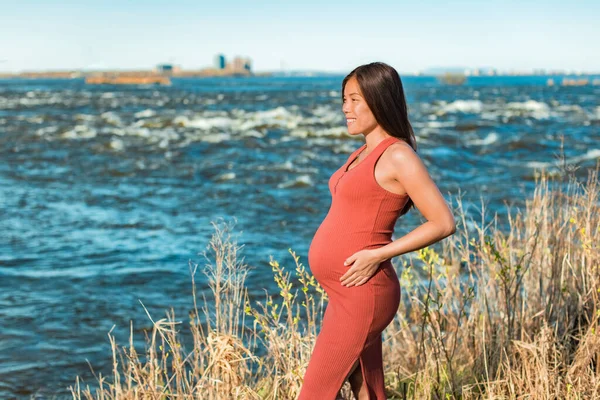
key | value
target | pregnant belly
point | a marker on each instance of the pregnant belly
(330, 248)
(326, 256)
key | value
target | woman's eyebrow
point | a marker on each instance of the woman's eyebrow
(352, 94)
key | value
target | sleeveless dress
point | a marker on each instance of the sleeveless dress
(362, 215)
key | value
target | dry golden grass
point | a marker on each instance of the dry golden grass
(493, 314)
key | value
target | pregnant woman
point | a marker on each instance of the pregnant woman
(350, 254)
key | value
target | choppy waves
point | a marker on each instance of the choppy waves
(493, 122)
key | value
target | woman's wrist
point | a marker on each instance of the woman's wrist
(381, 254)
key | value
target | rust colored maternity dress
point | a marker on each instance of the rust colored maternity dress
(362, 216)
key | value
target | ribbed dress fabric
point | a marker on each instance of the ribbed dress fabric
(362, 215)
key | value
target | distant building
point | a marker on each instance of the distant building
(241, 64)
(220, 61)
(248, 65)
(166, 69)
(238, 63)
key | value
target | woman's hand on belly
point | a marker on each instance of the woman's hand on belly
(364, 264)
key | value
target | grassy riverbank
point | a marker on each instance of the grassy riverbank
(493, 314)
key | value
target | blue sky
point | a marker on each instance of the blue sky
(308, 35)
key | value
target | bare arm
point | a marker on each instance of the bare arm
(412, 174)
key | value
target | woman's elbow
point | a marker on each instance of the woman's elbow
(449, 228)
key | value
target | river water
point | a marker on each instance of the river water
(107, 192)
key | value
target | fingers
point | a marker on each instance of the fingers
(349, 276)
(354, 280)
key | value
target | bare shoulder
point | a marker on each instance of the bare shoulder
(400, 147)
(403, 157)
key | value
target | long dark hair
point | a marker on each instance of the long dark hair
(382, 89)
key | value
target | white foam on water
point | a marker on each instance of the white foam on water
(131, 131)
(274, 113)
(591, 154)
(242, 121)
(249, 124)
(79, 132)
(149, 123)
(111, 118)
(465, 106)
(36, 119)
(84, 117)
(24, 101)
(165, 134)
(202, 123)
(145, 113)
(253, 133)
(570, 108)
(433, 124)
(489, 139)
(286, 166)
(325, 115)
(116, 144)
(47, 130)
(164, 143)
(320, 132)
(279, 116)
(300, 181)
(539, 164)
(530, 108)
(529, 105)
(215, 137)
(492, 116)
(347, 147)
(535, 109)
(227, 176)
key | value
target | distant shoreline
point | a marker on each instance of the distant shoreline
(111, 74)
(211, 73)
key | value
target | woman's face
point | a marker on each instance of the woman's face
(359, 118)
